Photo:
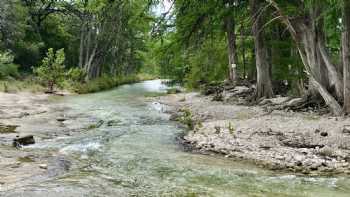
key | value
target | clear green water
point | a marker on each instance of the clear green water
(138, 156)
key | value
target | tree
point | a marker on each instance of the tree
(306, 29)
(52, 70)
(109, 38)
(263, 67)
(346, 54)
(229, 22)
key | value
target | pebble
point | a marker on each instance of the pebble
(43, 166)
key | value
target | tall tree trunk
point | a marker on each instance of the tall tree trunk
(310, 33)
(232, 54)
(244, 61)
(303, 37)
(335, 77)
(81, 46)
(346, 55)
(88, 43)
(263, 67)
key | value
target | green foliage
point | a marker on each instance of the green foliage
(7, 68)
(52, 69)
(105, 83)
(76, 74)
(189, 44)
(231, 129)
(207, 64)
(187, 119)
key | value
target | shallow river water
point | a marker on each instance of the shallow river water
(137, 155)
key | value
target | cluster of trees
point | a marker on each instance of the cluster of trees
(299, 45)
(101, 37)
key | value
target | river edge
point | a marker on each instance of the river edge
(304, 143)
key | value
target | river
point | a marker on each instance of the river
(134, 153)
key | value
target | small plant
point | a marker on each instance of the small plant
(187, 118)
(231, 129)
(6, 88)
(52, 70)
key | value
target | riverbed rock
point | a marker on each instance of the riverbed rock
(43, 166)
(324, 134)
(61, 119)
(174, 116)
(346, 129)
(112, 123)
(23, 141)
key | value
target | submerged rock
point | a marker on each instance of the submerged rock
(61, 119)
(23, 141)
(43, 166)
(324, 134)
(112, 123)
(97, 125)
(346, 129)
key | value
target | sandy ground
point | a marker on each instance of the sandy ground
(298, 142)
(33, 114)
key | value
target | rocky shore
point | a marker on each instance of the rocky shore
(301, 142)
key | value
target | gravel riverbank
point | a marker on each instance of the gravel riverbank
(299, 142)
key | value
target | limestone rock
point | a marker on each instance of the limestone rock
(23, 141)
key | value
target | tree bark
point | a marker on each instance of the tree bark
(304, 37)
(244, 61)
(346, 55)
(263, 67)
(81, 46)
(335, 77)
(232, 54)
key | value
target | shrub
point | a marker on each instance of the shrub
(76, 74)
(7, 68)
(104, 83)
(52, 70)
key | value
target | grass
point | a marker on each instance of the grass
(107, 82)
(96, 85)
(13, 86)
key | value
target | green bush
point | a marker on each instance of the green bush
(7, 68)
(76, 74)
(104, 83)
(52, 70)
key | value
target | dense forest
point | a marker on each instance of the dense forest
(98, 38)
(298, 48)
(295, 48)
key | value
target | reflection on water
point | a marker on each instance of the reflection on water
(134, 154)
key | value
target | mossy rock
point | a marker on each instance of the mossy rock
(26, 159)
(97, 125)
(7, 128)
